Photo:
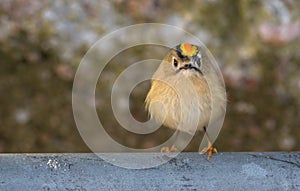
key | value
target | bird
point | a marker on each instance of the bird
(182, 91)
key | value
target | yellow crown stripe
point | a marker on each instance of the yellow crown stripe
(188, 49)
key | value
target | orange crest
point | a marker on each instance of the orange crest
(188, 49)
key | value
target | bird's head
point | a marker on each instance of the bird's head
(185, 58)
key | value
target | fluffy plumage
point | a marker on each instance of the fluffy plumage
(182, 88)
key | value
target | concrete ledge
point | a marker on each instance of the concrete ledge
(188, 171)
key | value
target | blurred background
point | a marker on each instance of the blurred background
(256, 44)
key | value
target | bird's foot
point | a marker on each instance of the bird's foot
(210, 150)
(169, 150)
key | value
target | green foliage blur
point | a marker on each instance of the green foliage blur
(256, 44)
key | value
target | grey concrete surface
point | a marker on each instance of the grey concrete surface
(188, 171)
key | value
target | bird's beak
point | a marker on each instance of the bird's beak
(194, 64)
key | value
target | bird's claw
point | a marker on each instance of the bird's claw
(210, 150)
(169, 150)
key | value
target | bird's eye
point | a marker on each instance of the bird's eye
(175, 62)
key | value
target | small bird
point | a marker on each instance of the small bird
(180, 93)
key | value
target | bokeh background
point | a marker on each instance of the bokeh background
(256, 44)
